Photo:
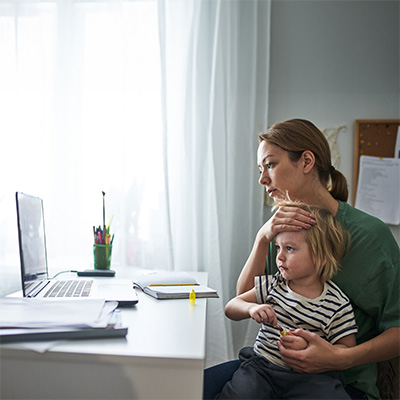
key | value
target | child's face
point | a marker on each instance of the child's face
(294, 258)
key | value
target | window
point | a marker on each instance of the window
(81, 114)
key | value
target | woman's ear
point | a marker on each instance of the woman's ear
(308, 159)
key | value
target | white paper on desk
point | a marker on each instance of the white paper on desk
(49, 313)
(378, 191)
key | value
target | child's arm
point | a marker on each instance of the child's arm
(293, 342)
(347, 341)
(246, 306)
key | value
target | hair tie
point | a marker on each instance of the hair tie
(331, 169)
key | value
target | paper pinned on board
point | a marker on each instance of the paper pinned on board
(397, 146)
(378, 191)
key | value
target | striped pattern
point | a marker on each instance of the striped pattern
(330, 315)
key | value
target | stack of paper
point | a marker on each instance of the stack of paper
(48, 319)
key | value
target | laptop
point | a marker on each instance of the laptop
(34, 268)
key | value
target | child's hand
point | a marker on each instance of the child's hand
(263, 313)
(293, 342)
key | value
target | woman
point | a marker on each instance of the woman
(294, 160)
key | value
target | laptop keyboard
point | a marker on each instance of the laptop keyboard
(72, 288)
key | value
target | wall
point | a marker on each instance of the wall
(333, 62)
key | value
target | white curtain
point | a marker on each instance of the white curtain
(159, 105)
(215, 69)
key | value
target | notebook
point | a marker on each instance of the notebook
(173, 285)
(34, 268)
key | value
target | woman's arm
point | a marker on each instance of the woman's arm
(284, 219)
(255, 265)
(321, 356)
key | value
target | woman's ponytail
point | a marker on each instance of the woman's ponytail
(338, 185)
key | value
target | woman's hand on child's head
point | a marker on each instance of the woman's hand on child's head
(287, 219)
(263, 313)
(292, 342)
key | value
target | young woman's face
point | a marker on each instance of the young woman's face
(293, 257)
(278, 173)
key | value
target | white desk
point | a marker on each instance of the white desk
(162, 357)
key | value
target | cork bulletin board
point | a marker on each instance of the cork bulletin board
(373, 137)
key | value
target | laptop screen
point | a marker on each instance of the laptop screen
(32, 242)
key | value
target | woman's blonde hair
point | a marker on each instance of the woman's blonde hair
(298, 135)
(327, 240)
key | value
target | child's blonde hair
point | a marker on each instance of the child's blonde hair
(327, 240)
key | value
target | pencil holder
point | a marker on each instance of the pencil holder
(102, 256)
